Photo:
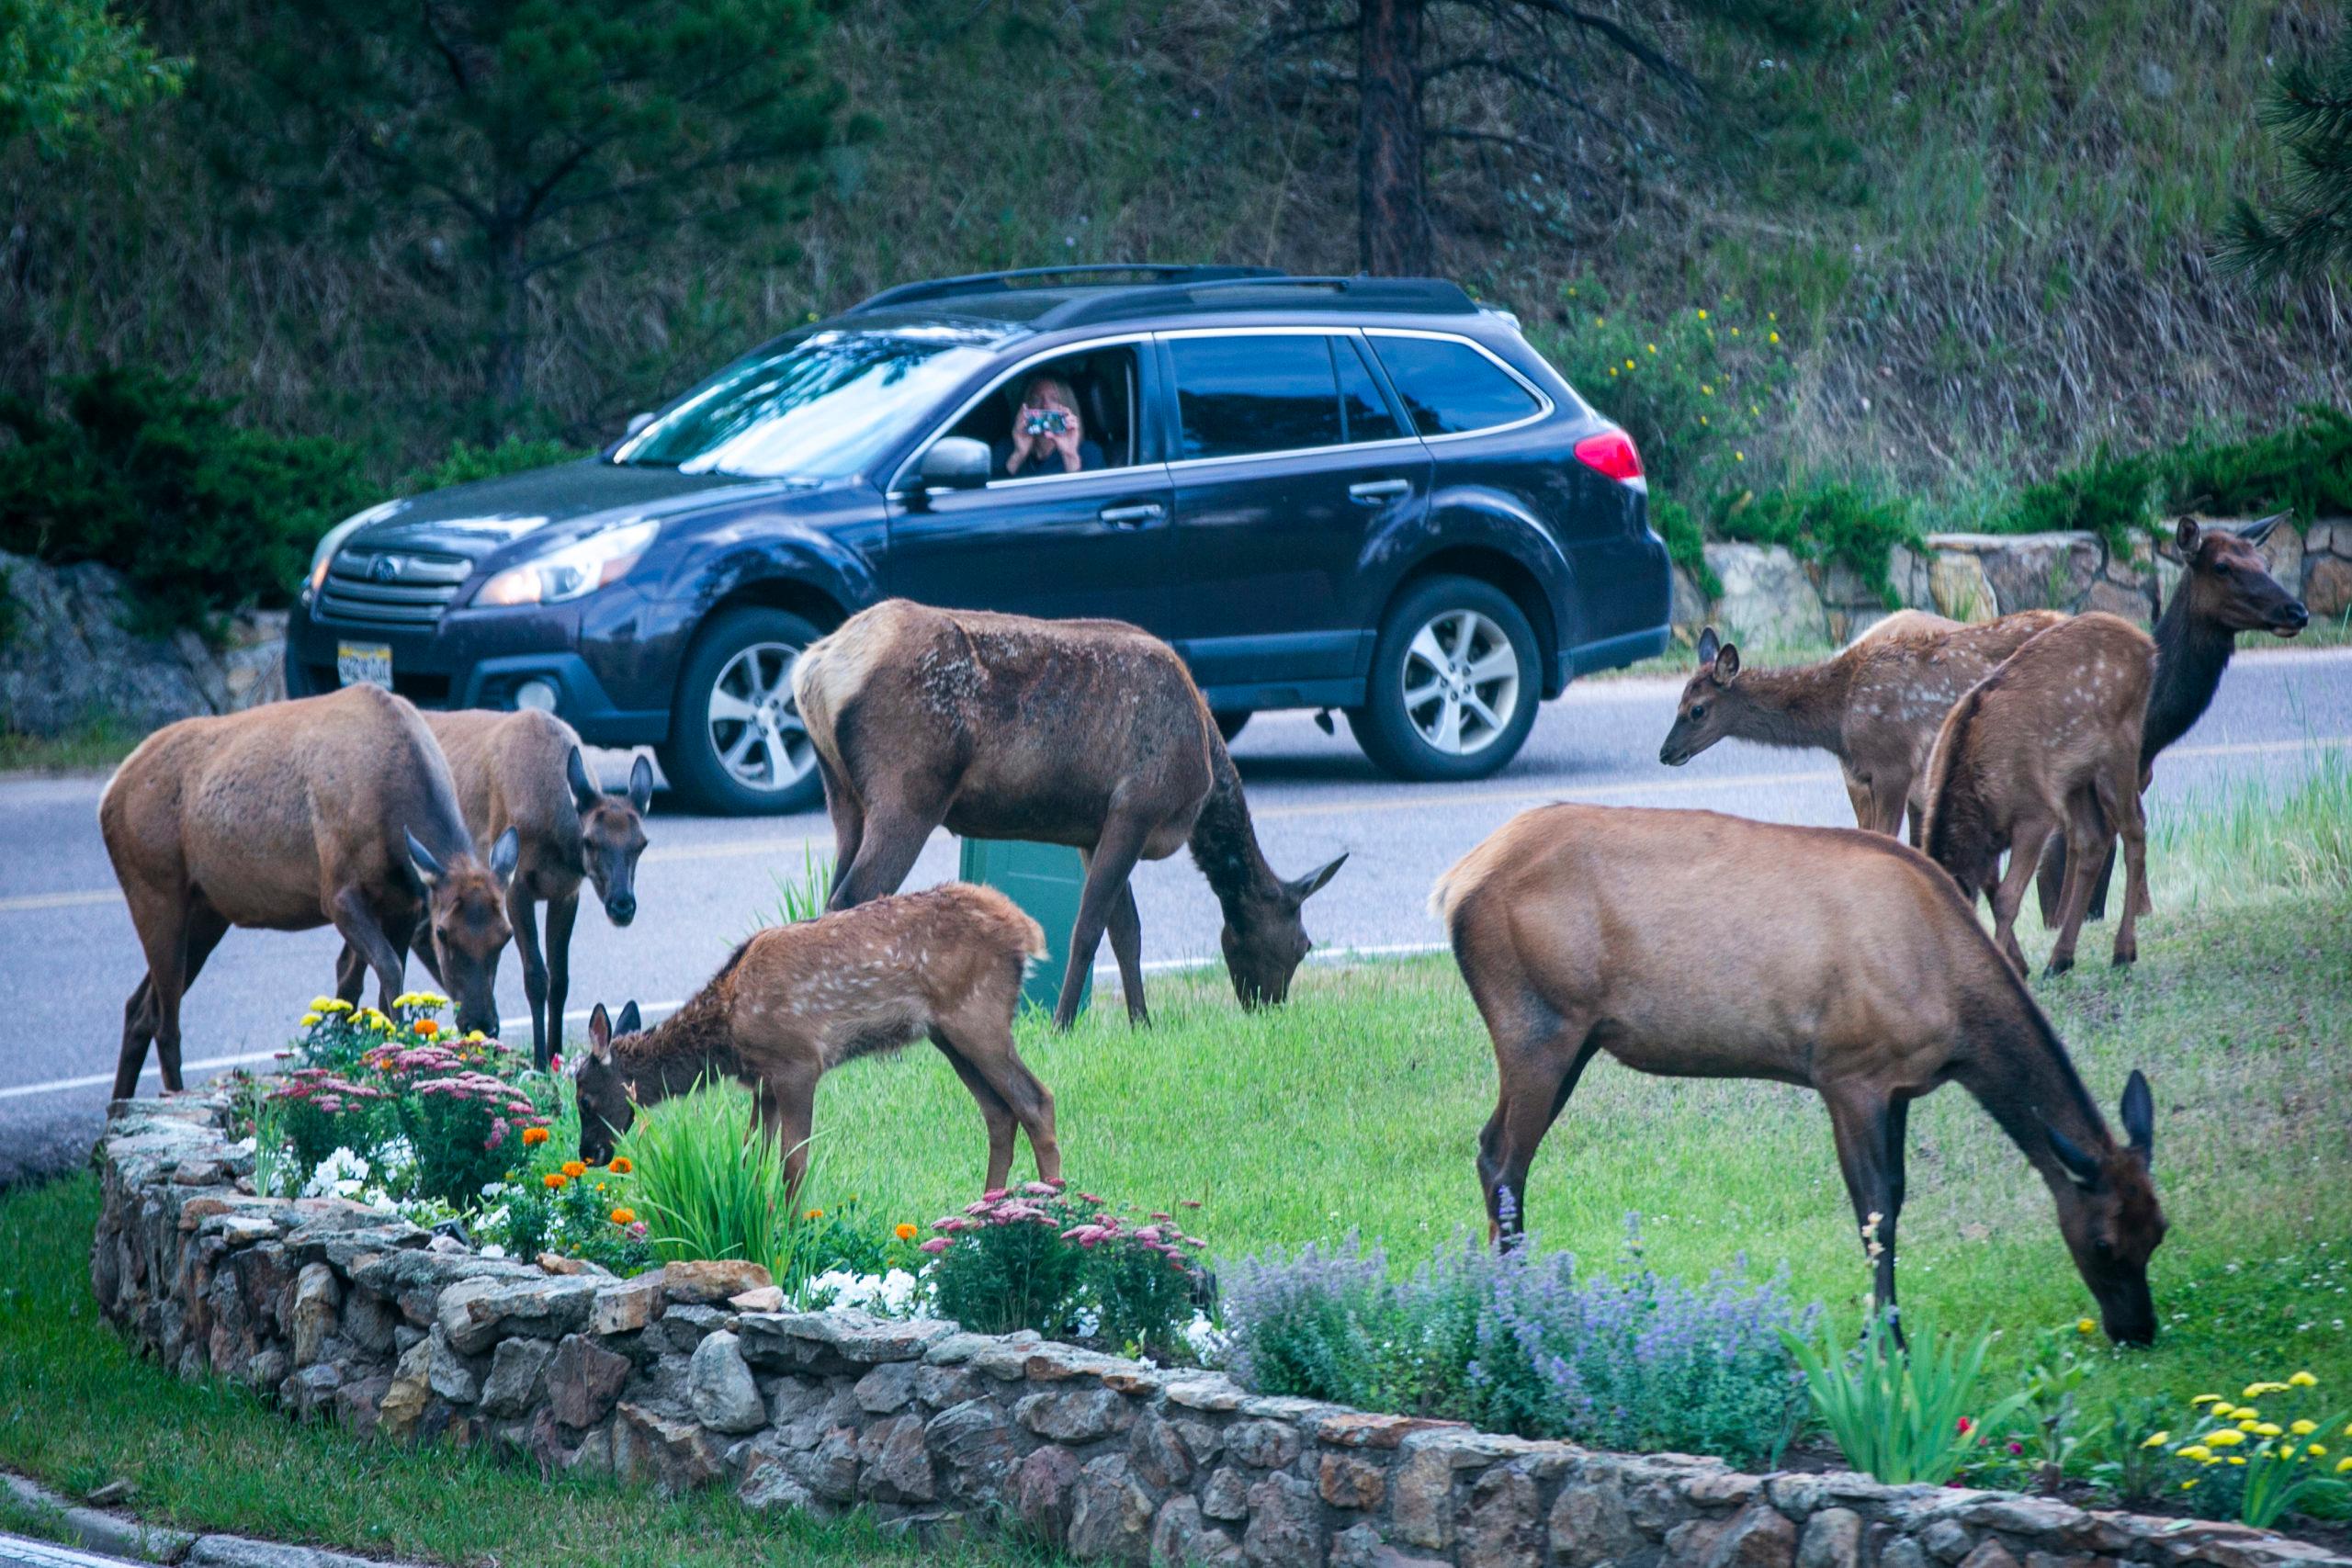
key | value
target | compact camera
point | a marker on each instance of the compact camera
(1045, 422)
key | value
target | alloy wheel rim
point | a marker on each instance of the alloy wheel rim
(1461, 683)
(755, 727)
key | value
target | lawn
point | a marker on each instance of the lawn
(1356, 1106)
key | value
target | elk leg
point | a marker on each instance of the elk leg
(1888, 797)
(562, 914)
(137, 1031)
(2025, 853)
(350, 973)
(522, 918)
(981, 1033)
(1126, 929)
(786, 1108)
(387, 958)
(887, 847)
(1107, 867)
(163, 934)
(1859, 795)
(2089, 838)
(849, 823)
(1537, 1074)
(993, 1112)
(1867, 1128)
(2132, 823)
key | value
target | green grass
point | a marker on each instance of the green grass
(94, 747)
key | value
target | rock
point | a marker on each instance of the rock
(973, 1438)
(557, 1263)
(1688, 613)
(1268, 1445)
(1355, 1429)
(1347, 1482)
(648, 1446)
(941, 1387)
(1908, 568)
(767, 1298)
(1989, 1553)
(1110, 1513)
(1360, 1546)
(685, 1323)
(317, 1295)
(1759, 1538)
(725, 1398)
(119, 1490)
(887, 1388)
(628, 1306)
(404, 1400)
(1227, 1496)
(2114, 599)
(2328, 585)
(1833, 1539)
(1499, 1529)
(1590, 1524)
(1957, 585)
(449, 1376)
(1183, 1536)
(1284, 1529)
(1041, 1492)
(768, 1483)
(583, 1381)
(829, 1466)
(896, 1467)
(1159, 1452)
(785, 1339)
(1421, 1499)
(1768, 600)
(516, 1369)
(1078, 1414)
(712, 1280)
(2031, 571)
(474, 1312)
(1210, 1392)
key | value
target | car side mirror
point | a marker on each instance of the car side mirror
(956, 462)
(638, 422)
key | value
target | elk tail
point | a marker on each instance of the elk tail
(1952, 802)
(1461, 879)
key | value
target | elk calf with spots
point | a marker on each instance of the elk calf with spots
(1875, 705)
(795, 1001)
(330, 810)
(2048, 744)
(1086, 733)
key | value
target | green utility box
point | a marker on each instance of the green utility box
(1045, 881)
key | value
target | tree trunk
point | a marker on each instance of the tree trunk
(1392, 212)
(509, 325)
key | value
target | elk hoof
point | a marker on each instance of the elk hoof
(2059, 965)
(2125, 956)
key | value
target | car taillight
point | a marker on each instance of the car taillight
(1610, 453)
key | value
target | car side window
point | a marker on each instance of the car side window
(1262, 392)
(1098, 387)
(1450, 388)
(1362, 406)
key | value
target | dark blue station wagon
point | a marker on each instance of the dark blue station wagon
(1359, 493)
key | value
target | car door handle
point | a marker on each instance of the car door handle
(1133, 516)
(1372, 490)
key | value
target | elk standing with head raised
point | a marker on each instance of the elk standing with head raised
(1691, 944)
(2048, 745)
(1874, 706)
(1086, 733)
(331, 811)
(524, 771)
(795, 1001)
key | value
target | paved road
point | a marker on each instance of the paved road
(68, 957)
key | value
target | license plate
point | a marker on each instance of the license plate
(363, 664)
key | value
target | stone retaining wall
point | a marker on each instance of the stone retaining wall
(681, 1378)
(1772, 600)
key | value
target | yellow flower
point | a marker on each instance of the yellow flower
(2084, 1326)
(2344, 1464)
(2237, 1459)
(310, 1020)
(2257, 1390)
(2317, 1450)
(1703, 315)
(1613, 370)
(2196, 1452)
(475, 1037)
(624, 1216)
(332, 1004)
(1653, 347)
(1741, 455)
(2159, 1441)
(1772, 315)
(1628, 365)
(1776, 337)
(1735, 331)
(2268, 1429)
(2245, 1426)
(2206, 1399)
(2303, 1428)
(905, 1232)
(2187, 1485)
(2225, 1439)
(2302, 1379)
(1708, 390)
(573, 1168)
(1702, 419)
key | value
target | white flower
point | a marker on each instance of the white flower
(1204, 1337)
(341, 1175)
(491, 1249)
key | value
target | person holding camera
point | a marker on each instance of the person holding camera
(1047, 435)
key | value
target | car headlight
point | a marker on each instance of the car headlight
(570, 570)
(336, 536)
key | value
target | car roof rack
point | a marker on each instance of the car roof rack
(1032, 276)
(1423, 296)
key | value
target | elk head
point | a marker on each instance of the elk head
(608, 1108)
(464, 924)
(612, 833)
(2110, 1217)
(1264, 938)
(2228, 582)
(1704, 716)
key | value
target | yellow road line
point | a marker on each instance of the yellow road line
(57, 900)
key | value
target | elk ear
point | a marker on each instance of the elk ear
(584, 793)
(505, 853)
(2139, 1116)
(2081, 1169)
(2185, 537)
(641, 784)
(1312, 883)
(600, 1033)
(1708, 646)
(1728, 664)
(630, 1023)
(421, 860)
(2259, 529)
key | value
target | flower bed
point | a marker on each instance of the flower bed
(687, 1377)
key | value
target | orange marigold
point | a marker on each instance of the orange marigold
(620, 1165)
(426, 1027)
(573, 1168)
(554, 1182)
(905, 1233)
(624, 1216)
(534, 1136)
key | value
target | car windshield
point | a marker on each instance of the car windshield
(820, 405)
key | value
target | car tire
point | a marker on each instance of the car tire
(1232, 724)
(1455, 679)
(733, 713)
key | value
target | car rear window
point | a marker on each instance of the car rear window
(1450, 388)
(1264, 392)
(1368, 416)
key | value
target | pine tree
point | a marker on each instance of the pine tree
(61, 60)
(2305, 228)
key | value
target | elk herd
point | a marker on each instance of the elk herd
(1848, 962)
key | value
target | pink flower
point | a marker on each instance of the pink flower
(935, 1246)
(1157, 1215)
(1089, 1197)
(995, 1195)
(1038, 1189)
(1190, 1202)
(1149, 1234)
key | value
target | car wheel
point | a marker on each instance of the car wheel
(1454, 682)
(1232, 724)
(737, 745)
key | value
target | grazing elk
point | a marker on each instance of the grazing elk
(1691, 944)
(330, 810)
(524, 771)
(1087, 733)
(2048, 744)
(2226, 588)
(795, 1001)
(1874, 705)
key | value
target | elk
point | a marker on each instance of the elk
(1874, 705)
(1863, 977)
(1087, 733)
(795, 1001)
(2226, 588)
(329, 810)
(2048, 744)
(524, 770)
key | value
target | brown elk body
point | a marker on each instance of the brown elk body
(330, 810)
(1086, 733)
(2048, 745)
(1691, 944)
(1875, 705)
(795, 1001)
(524, 770)
(2226, 588)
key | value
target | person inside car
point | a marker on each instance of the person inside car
(1047, 435)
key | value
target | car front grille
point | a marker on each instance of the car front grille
(391, 588)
